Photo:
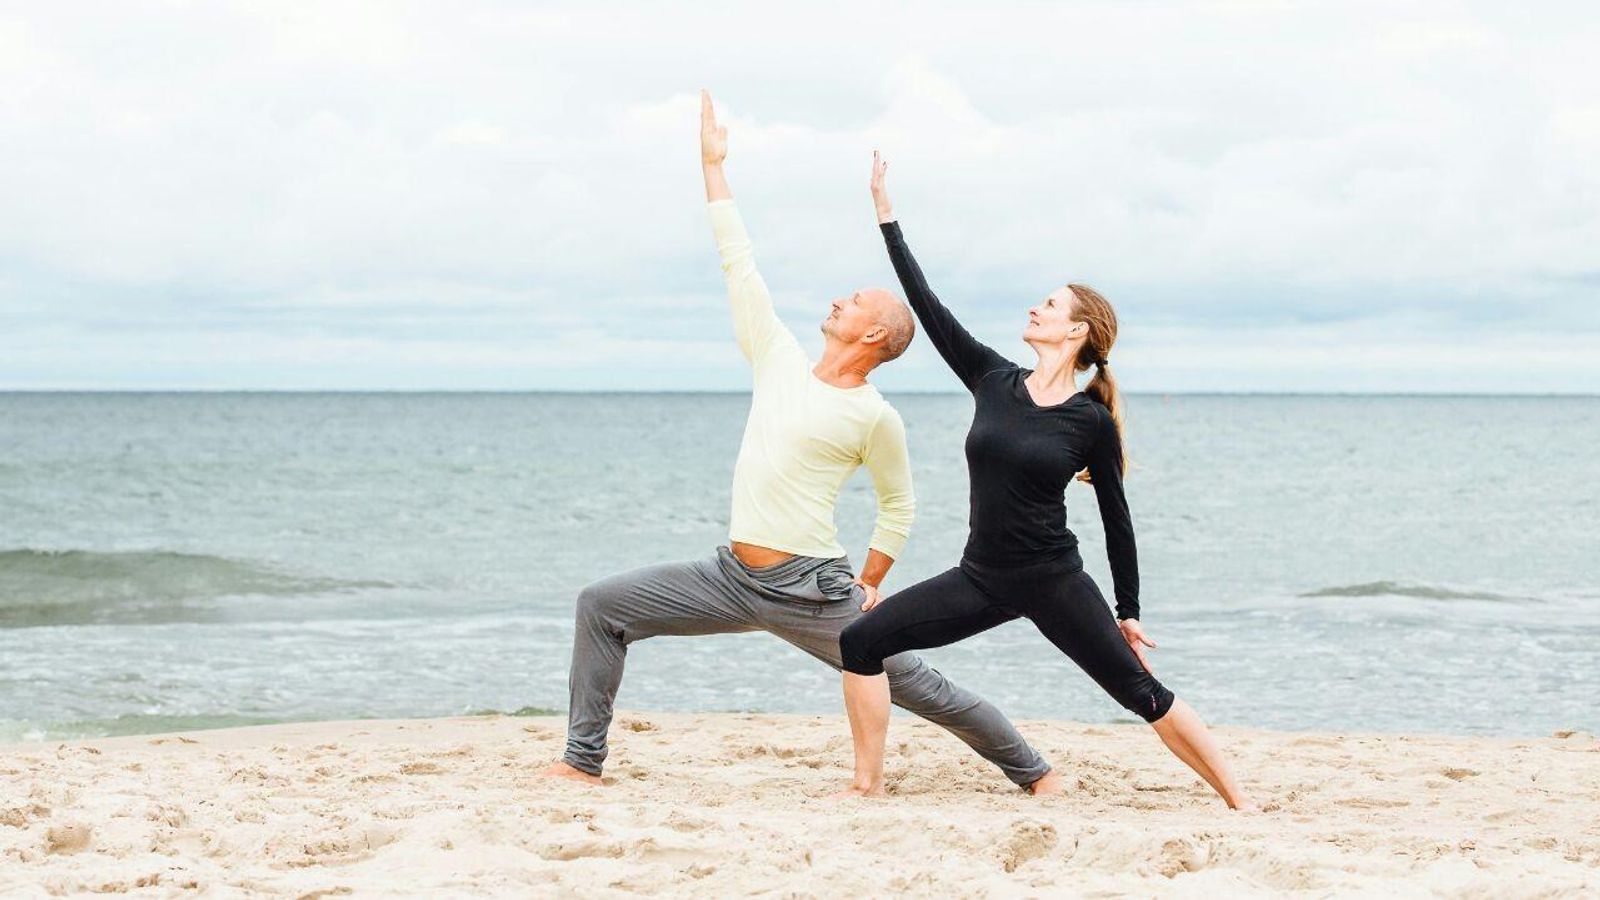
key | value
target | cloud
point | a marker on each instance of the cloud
(434, 193)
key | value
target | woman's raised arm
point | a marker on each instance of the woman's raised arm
(968, 357)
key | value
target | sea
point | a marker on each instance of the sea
(1419, 564)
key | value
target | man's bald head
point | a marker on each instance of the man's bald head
(892, 313)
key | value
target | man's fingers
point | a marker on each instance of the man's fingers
(706, 112)
(1147, 641)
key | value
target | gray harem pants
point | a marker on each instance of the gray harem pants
(805, 601)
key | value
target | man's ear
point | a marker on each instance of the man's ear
(875, 335)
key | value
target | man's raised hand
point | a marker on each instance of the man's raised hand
(713, 138)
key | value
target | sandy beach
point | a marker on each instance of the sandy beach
(736, 804)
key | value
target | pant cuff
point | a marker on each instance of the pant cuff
(1025, 777)
(582, 765)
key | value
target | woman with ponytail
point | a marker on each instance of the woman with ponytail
(1032, 431)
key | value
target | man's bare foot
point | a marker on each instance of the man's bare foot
(1049, 783)
(562, 770)
(855, 791)
(1244, 805)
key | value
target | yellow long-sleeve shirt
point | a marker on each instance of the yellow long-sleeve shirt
(804, 437)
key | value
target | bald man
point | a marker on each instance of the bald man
(783, 570)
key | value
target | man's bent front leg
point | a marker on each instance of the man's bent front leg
(920, 689)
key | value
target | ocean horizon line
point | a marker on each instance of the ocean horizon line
(424, 392)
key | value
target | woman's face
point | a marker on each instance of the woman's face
(1051, 322)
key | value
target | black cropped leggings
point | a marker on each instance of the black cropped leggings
(1062, 601)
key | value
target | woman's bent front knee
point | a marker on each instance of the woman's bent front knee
(855, 649)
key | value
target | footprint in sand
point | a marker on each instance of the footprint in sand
(1455, 774)
(1181, 855)
(338, 891)
(580, 850)
(171, 816)
(1028, 840)
(69, 837)
(20, 816)
(677, 820)
(1372, 803)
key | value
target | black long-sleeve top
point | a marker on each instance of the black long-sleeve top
(1021, 456)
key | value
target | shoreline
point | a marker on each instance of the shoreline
(736, 803)
(898, 716)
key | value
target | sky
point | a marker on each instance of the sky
(458, 196)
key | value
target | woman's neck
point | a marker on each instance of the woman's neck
(1053, 378)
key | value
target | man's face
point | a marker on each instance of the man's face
(851, 317)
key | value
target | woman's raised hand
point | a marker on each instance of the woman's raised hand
(880, 194)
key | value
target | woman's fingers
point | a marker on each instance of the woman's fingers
(1138, 652)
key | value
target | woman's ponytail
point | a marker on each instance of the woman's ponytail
(1090, 307)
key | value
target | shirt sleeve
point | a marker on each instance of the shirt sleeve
(968, 357)
(755, 323)
(889, 462)
(1105, 474)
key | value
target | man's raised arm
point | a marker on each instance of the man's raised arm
(755, 322)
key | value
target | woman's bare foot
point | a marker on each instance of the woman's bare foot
(562, 770)
(1244, 805)
(1049, 783)
(857, 790)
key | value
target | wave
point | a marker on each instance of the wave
(83, 587)
(524, 711)
(161, 723)
(1421, 591)
(124, 725)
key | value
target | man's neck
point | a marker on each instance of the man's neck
(843, 367)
